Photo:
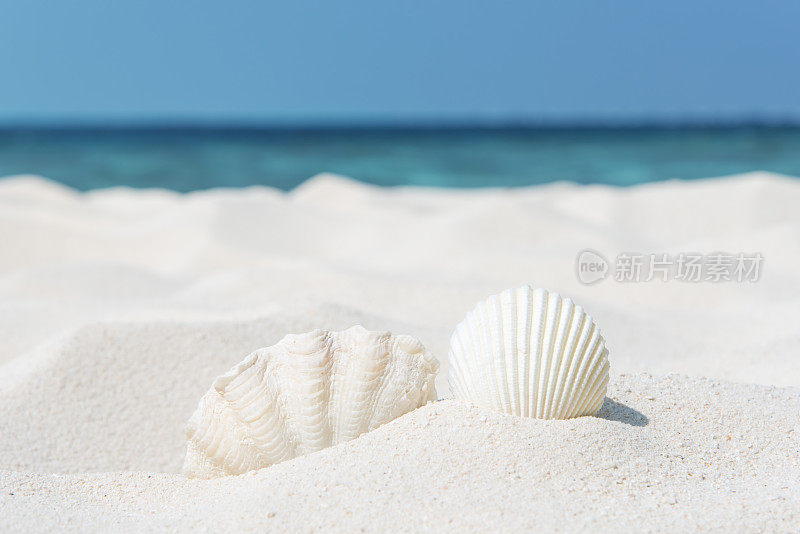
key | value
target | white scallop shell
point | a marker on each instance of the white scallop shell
(307, 392)
(530, 353)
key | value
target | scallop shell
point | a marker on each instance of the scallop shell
(307, 392)
(531, 353)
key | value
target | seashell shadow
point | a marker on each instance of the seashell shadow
(612, 410)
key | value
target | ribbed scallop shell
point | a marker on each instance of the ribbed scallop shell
(531, 353)
(305, 393)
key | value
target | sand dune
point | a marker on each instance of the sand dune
(669, 453)
(119, 307)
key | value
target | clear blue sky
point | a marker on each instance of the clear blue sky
(409, 60)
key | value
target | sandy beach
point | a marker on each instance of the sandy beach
(119, 307)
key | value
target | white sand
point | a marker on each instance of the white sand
(118, 308)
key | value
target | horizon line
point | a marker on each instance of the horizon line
(433, 125)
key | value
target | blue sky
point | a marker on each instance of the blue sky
(412, 60)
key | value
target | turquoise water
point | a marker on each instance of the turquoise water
(186, 159)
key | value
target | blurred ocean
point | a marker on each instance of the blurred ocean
(186, 159)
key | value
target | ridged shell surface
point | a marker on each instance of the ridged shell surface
(532, 353)
(305, 393)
